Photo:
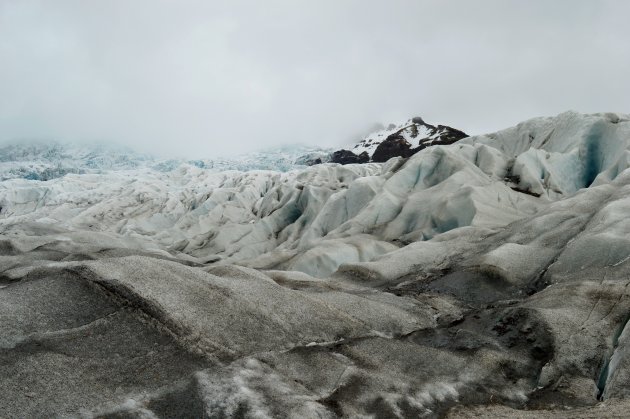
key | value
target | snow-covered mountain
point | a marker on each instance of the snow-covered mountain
(490, 274)
(414, 131)
(397, 140)
(35, 160)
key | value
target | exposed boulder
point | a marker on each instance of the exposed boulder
(311, 159)
(348, 157)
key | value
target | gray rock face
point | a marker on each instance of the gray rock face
(393, 146)
(437, 286)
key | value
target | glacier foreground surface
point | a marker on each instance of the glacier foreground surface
(489, 277)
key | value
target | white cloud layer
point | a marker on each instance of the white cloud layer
(205, 78)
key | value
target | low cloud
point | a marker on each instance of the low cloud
(203, 78)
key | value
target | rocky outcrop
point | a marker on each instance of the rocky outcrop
(313, 158)
(394, 146)
(348, 157)
(447, 135)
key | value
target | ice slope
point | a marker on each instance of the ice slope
(556, 156)
(490, 272)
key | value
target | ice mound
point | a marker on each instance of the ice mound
(308, 220)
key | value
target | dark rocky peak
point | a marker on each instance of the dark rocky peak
(397, 140)
(413, 137)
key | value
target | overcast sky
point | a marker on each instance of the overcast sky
(204, 78)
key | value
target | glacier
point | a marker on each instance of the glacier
(46, 160)
(488, 277)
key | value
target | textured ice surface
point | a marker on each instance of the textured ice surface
(490, 272)
(45, 161)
